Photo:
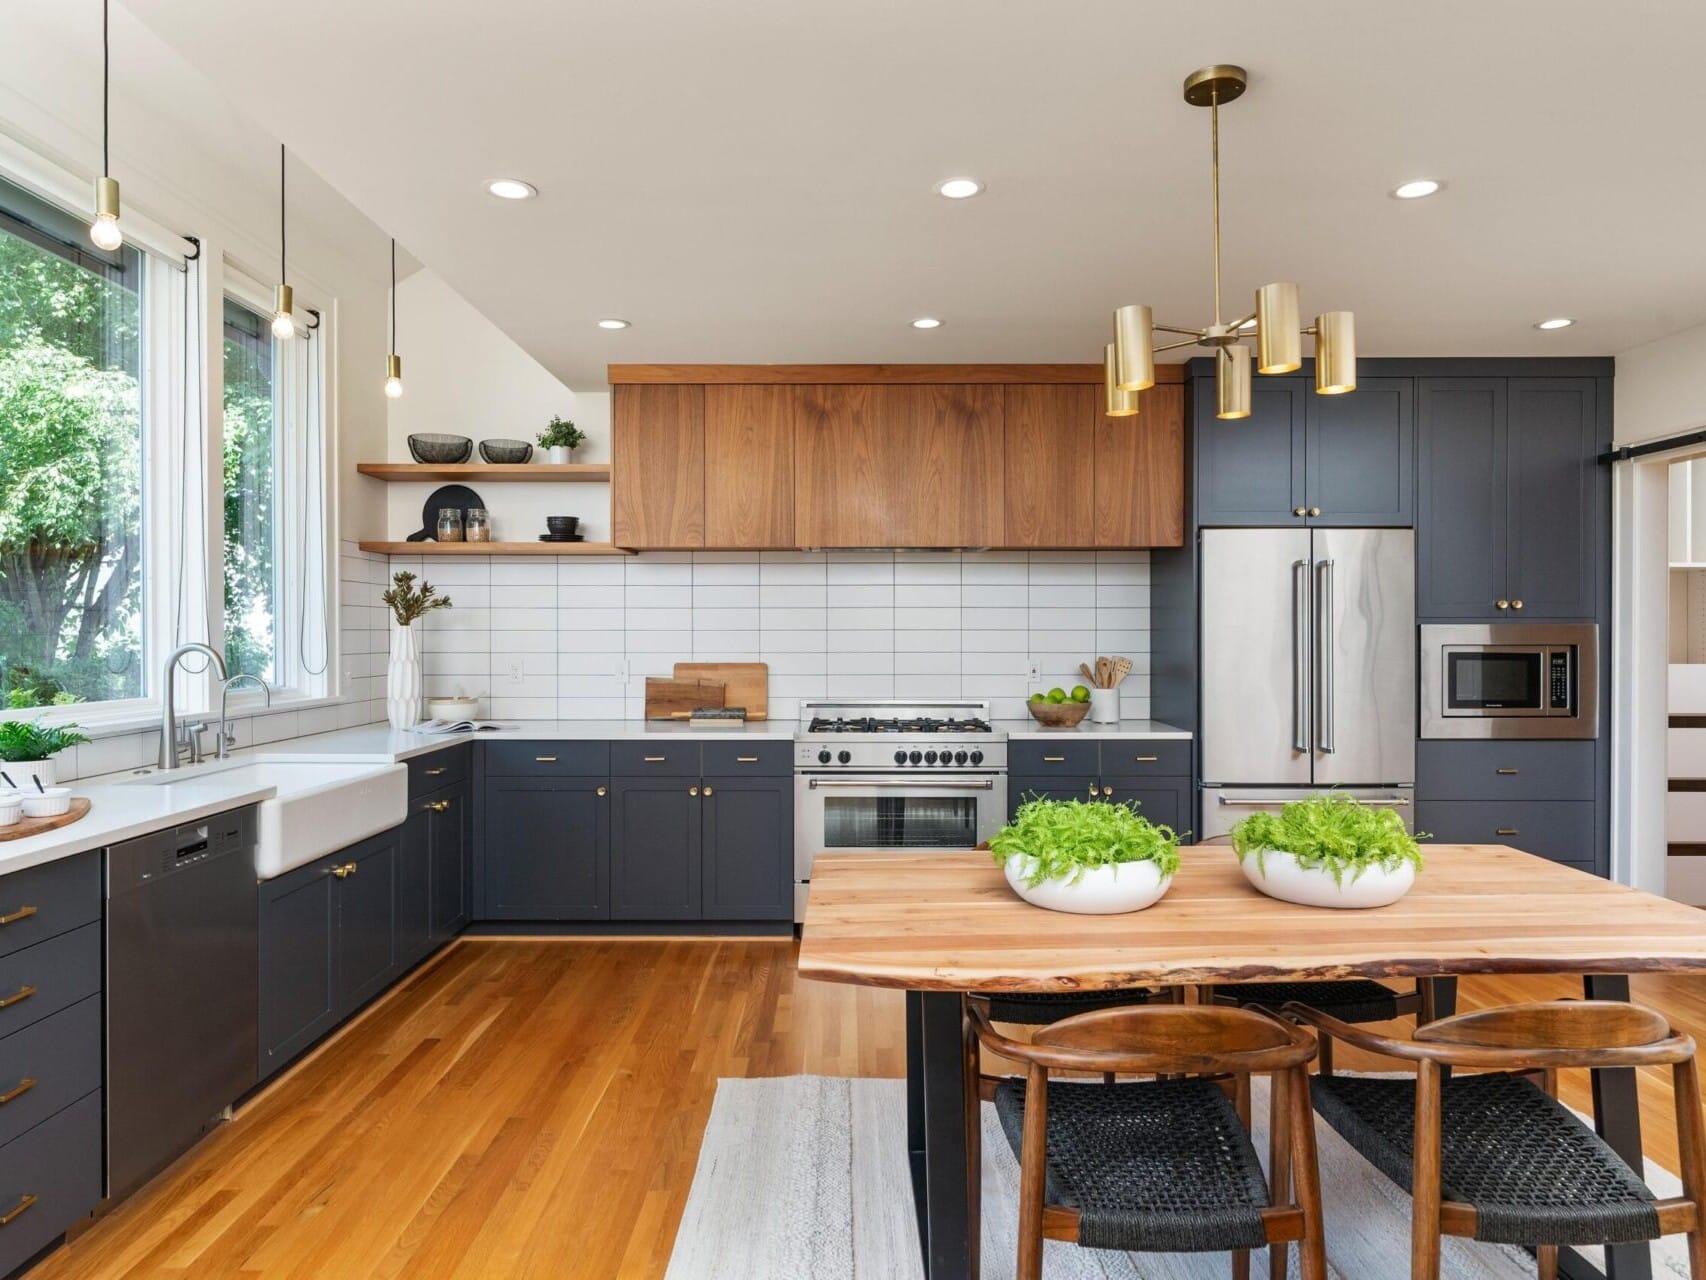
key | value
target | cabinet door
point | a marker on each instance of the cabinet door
(1250, 471)
(1553, 473)
(657, 468)
(367, 921)
(299, 993)
(1050, 435)
(414, 876)
(546, 851)
(1162, 801)
(1461, 507)
(654, 849)
(1360, 455)
(1140, 472)
(450, 864)
(747, 848)
(749, 466)
(1021, 789)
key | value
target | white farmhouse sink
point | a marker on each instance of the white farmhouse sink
(318, 808)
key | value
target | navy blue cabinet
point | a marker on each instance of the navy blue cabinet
(367, 920)
(1250, 471)
(1461, 511)
(654, 848)
(545, 849)
(414, 885)
(746, 848)
(450, 861)
(299, 991)
(1150, 773)
(1163, 803)
(1360, 455)
(1553, 537)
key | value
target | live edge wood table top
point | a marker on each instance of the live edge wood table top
(949, 922)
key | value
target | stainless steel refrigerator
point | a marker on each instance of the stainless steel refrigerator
(1309, 668)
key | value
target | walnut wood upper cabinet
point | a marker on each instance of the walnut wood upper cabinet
(657, 473)
(1140, 472)
(898, 465)
(749, 467)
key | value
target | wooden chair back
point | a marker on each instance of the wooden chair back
(1552, 1024)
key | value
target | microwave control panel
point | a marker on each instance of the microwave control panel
(1558, 680)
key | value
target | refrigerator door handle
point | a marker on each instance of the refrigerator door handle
(1299, 655)
(1324, 656)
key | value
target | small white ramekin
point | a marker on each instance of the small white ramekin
(47, 804)
(11, 809)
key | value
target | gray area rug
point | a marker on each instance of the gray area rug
(805, 1178)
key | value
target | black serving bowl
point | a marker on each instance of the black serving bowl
(441, 450)
(505, 450)
(562, 524)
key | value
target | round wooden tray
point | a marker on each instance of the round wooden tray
(35, 826)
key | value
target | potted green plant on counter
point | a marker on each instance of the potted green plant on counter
(403, 670)
(560, 440)
(1086, 857)
(1330, 850)
(28, 748)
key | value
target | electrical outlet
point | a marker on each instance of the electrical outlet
(512, 670)
(622, 670)
(1034, 672)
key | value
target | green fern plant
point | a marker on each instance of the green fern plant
(1065, 838)
(23, 740)
(1330, 830)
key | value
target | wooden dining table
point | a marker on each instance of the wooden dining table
(942, 925)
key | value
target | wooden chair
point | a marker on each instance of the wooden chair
(1492, 1155)
(1162, 1165)
(1349, 1000)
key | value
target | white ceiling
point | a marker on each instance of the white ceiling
(750, 180)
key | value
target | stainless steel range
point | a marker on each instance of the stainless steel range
(883, 777)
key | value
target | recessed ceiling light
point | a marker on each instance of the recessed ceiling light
(1557, 322)
(959, 188)
(1416, 189)
(926, 322)
(612, 323)
(512, 189)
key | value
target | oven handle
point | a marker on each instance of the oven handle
(935, 784)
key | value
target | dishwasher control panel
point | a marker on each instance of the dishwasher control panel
(162, 853)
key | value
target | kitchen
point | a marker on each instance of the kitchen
(787, 566)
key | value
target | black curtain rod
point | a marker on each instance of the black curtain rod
(1641, 450)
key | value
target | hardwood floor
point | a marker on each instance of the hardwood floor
(534, 1108)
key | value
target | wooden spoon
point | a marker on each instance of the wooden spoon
(1122, 669)
(1084, 670)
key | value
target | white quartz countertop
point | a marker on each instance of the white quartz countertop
(1125, 730)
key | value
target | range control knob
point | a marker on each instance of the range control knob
(823, 757)
(846, 757)
(959, 757)
(916, 757)
(900, 757)
(929, 757)
(977, 757)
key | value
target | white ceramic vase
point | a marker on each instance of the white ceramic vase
(561, 453)
(403, 679)
(1278, 875)
(1100, 891)
(1105, 706)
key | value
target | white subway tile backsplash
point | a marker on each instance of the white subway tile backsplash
(786, 619)
(942, 618)
(644, 596)
(721, 619)
(792, 640)
(515, 571)
(864, 619)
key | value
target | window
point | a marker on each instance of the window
(251, 462)
(71, 484)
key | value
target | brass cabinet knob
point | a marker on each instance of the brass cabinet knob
(707, 790)
(692, 791)
(439, 806)
(1299, 511)
(1107, 791)
(344, 872)
(1314, 511)
(603, 791)
(1516, 604)
(1092, 790)
(1504, 604)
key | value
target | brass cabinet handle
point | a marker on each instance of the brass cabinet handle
(22, 993)
(656, 759)
(603, 790)
(1503, 604)
(1146, 759)
(433, 773)
(707, 790)
(7, 1218)
(1505, 772)
(439, 806)
(1054, 759)
(1504, 831)
(1314, 511)
(545, 759)
(18, 1090)
(1516, 604)
(692, 791)
(746, 759)
(1300, 511)
(22, 913)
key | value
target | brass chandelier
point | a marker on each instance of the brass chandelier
(1129, 360)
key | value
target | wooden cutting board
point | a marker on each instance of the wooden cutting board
(745, 684)
(678, 699)
(26, 827)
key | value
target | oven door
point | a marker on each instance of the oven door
(1494, 680)
(884, 814)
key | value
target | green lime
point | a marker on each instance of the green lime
(1057, 694)
(1080, 693)
(1038, 696)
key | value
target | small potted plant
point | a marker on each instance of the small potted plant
(403, 671)
(1086, 857)
(1330, 850)
(561, 439)
(28, 748)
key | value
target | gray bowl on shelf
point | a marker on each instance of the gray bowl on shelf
(441, 450)
(506, 450)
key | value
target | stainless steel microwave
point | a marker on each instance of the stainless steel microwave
(1510, 680)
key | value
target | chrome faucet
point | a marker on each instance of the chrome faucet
(223, 743)
(171, 740)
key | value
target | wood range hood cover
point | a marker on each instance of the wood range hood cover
(891, 457)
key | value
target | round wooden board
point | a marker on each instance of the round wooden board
(35, 826)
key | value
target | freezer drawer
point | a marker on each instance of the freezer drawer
(1223, 806)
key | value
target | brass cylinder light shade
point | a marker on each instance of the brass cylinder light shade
(1134, 347)
(1120, 404)
(1232, 382)
(1279, 338)
(1335, 353)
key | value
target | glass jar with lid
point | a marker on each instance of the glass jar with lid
(450, 524)
(477, 525)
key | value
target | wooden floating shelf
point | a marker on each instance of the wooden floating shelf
(495, 549)
(520, 472)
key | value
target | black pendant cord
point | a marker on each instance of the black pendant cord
(106, 89)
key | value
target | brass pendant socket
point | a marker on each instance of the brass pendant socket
(284, 300)
(394, 366)
(1335, 353)
(1134, 347)
(1232, 382)
(1119, 404)
(1279, 342)
(106, 197)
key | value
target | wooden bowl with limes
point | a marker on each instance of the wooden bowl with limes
(1058, 715)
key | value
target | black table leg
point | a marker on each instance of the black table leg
(936, 1132)
(1443, 1001)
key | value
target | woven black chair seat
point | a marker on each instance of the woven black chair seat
(1353, 1000)
(1158, 1166)
(1533, 1171)
(1036, 1009)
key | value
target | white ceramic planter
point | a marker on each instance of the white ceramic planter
(561, 453)
(1100, 891)
(1105, 706)
(22, 771)
(1279, 876)
(403, 679)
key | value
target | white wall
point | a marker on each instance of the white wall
(1661, 387)
(462, 375)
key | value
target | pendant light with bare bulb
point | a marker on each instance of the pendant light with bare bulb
(105, 231)
(393, 361)
(283, 321)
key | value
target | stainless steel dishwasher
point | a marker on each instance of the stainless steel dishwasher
(183, 988)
